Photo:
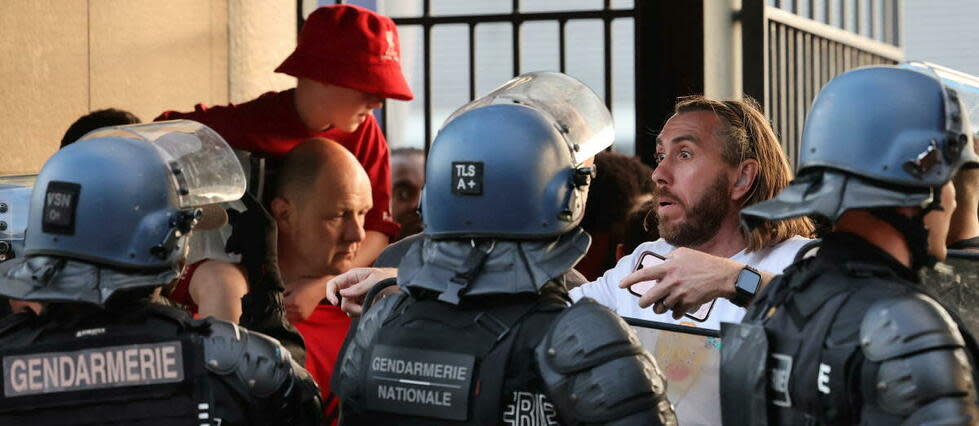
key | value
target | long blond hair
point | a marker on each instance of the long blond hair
(748, 134)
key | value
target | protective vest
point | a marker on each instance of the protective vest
(433, 363)
(145, 373)
(796, 357)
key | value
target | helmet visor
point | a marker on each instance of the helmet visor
(576, 110)
(966, 89)
(205, 169)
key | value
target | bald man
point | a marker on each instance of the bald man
(321, 199)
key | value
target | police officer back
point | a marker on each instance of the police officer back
(846, 336)
(480, 332)
(108, 225)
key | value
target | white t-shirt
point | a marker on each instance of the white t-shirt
(607, 292)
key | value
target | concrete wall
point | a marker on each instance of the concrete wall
(942, 32)
(64, 58)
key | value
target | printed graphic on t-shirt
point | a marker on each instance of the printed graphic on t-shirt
(528, 408)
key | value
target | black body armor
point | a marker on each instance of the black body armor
(496, 360)
(147, 365)
(846, 337)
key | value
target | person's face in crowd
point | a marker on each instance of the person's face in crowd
(326, 227)
(693, 182)
(325, 105)
(407, 179)
(937, 222)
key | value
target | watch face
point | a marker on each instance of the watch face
(748, 280)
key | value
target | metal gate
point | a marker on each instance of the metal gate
(789, 49)
(788, 58)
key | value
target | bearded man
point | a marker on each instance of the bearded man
(713, 159)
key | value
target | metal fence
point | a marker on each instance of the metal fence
(790, 49)
(788, 58)
(427, 22)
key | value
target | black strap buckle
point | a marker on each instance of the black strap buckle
(492, 324)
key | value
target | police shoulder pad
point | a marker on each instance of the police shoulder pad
(251, 362)
(587, 334)
(906, 324)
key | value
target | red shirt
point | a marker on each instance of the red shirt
(270, 126)
(180, 292)
(323, 333)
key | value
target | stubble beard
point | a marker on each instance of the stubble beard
(703, 219)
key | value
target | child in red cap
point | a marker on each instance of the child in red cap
(347, 62)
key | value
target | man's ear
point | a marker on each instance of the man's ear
(747, 174)
(282, 212)
(619, 251)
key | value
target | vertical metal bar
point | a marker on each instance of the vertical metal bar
(516, 37)
(755, 68)
(607, 30)
(812, 9)
(844, 59)
(637, 69)
(856, 17)
(772, 81)
(807, 72)
(888, 30)
(782, 84)
(792, 92)
(827, 11)
(662, 76)
(843, 14)
(562, 50)
(472, 61)
(802, 92)
(427, 69)
(897, 22)
(872, 23)
(607, 50)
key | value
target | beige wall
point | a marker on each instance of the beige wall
(722, 50)
(64, 58)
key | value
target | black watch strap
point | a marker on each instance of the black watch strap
(746, 286)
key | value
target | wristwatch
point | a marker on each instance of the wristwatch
(749, 279)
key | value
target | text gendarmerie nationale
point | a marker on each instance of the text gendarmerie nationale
(421, 370)
(106, 367)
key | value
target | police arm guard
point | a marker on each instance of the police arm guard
(922, 371)
(596, 372)
(258, 368)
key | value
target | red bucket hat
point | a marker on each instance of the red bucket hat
(350, 46)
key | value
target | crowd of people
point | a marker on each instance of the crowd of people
(486, 280)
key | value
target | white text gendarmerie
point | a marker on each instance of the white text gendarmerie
(95, 368)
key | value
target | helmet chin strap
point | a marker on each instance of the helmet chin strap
(467, 274)
(914, 230)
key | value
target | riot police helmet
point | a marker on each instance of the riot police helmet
(876, 137)
(117, 208)
(506, 182)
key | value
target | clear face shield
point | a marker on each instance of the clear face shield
(204, 168)
(962, 95)
(577, 112)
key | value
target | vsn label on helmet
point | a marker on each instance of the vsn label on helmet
(60, 201)
(467, 177)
